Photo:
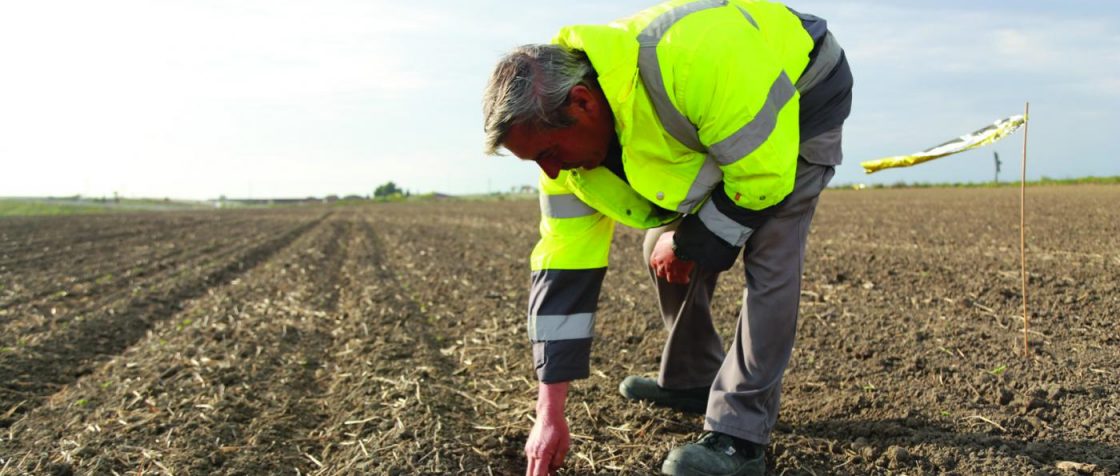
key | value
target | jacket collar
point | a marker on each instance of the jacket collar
(614, 55)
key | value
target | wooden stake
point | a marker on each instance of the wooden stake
(1023, 226)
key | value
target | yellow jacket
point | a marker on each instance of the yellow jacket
(704, 100)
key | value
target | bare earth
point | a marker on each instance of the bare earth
(391, 339)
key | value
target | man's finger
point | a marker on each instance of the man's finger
(558, 459)
(537, 467)
(671, 274)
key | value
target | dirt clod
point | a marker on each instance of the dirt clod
(60, 469)
(1002, 396)
(1054, 392)
(897, 456)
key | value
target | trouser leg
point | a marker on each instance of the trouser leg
(693, 351)
(747, 390)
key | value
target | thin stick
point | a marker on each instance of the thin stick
(997, 425)
(1023, 225)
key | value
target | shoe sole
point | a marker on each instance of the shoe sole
(694, 406)
(669, 467)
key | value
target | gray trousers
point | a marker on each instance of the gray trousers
(746, 381)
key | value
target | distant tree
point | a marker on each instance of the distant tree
(388, 189)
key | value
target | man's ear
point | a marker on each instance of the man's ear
(581, 99)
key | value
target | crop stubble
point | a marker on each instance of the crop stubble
(390, 339)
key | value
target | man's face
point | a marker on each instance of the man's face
(584, 144)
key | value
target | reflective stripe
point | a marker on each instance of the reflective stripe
(723, 226)
(563, 327)
(827, 57)
(709, 176)
(564, 205)
(748, 138)
(649, 68)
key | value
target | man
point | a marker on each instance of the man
(713, 124)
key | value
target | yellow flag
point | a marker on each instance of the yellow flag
(996, 131)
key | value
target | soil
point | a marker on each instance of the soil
(390, 339)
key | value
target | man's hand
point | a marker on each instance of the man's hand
(665, 262)
(550, 439)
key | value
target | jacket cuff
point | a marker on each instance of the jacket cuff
(693, 241)
(562, 360)
(713, 236)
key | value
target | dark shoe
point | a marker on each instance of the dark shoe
(716, 454)
(692, 400)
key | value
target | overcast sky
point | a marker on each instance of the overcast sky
(196, 99)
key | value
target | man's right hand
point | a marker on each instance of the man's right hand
(665, 262)
(550, 438)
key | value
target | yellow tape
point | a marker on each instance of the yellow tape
(994, 132)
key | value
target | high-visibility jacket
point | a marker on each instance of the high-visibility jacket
(703, 95)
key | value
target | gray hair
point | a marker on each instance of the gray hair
(530, 85)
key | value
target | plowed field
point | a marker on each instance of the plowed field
(391, 339)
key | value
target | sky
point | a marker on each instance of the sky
(260, 99)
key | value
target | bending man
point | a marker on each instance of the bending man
(714, 125)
